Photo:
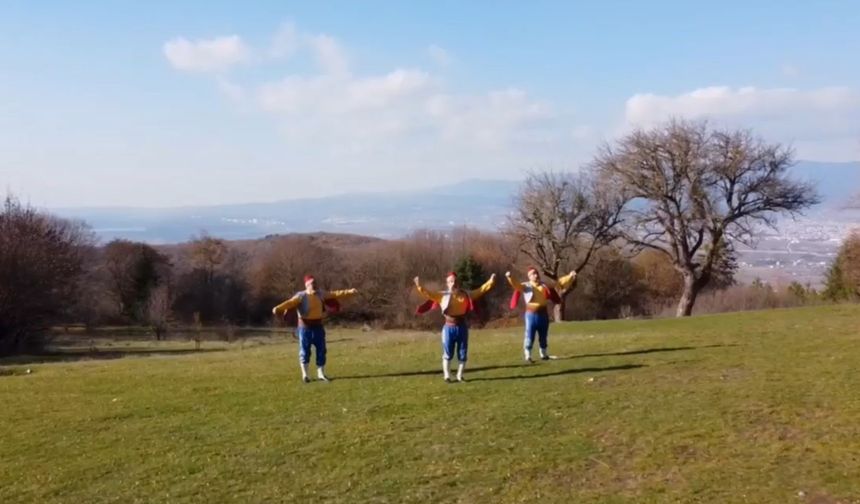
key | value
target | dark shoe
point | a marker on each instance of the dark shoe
(544, 357)
(306, 379)
(447, 380)
(461, 379)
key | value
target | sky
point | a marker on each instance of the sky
(161, 104)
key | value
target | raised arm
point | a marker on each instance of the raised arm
(517, 286)
(566, 281)
(289, 304)
(432, 296)
(480, 291)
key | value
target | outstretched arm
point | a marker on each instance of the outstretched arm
(566, 281)
(513, 282)
(480, 291)
(289, 304)
(432, 296)
(338, 294)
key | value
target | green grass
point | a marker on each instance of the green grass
(751, 407)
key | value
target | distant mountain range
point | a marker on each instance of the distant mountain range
(480, 204)
(837, 182)
(474, 203)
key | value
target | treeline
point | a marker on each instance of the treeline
(53, 273)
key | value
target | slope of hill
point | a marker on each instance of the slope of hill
(751, 407)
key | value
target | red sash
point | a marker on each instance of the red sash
(549, 292)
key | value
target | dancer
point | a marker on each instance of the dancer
(455, 303)
(536, 295)
(312, 304)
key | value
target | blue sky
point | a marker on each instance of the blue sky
(168, 103)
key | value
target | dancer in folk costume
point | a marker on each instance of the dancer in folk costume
(537, 295)
(455, 303)
(312, 305)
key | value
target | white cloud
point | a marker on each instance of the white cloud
(406, 109)
(494, 120)
(381, 91)
(286, 42)
(438, 55)
(335, 95)
(382, 129)
(210, 55)
(334, 105)
(329, 54)
(821, 123)
(720, 101)
(391, 109)
(231, 90)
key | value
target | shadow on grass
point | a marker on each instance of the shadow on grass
(560, 373)
(438, 371)
(642, 351)
(72, 355)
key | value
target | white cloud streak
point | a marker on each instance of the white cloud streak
(206, 55)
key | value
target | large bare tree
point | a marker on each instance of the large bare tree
(560, 219)
(694, 191)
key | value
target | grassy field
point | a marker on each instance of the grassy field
(753, 407)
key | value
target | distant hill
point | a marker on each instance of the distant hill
(475, 203)
(482, 204)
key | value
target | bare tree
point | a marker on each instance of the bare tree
(133, 270)
(380, 275)
(207, 254)
(561, 219)
(693, 191)
(158, 313)
(41, 259)
(277, 271)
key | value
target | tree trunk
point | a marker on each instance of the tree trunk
(688, 297)
(13, 344)
(558, 309)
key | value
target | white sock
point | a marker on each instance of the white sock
(321, 371)
(304, 369)
(543, 352)
(460, 370)
(445, 369)
(528, 354)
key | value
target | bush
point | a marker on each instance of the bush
(843, 278)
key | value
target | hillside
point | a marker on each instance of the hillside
(754, 407)
(251, 246)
